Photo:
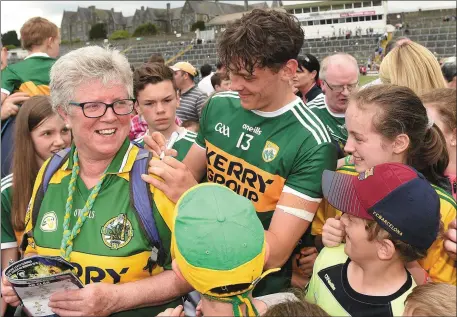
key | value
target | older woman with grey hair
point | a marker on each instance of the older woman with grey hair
(86, 207)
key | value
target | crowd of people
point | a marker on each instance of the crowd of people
(274, 186)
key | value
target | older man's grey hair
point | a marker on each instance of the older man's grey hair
(84, 65)
(449, 69)
(337, 59)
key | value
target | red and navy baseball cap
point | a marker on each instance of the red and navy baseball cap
(396, 196)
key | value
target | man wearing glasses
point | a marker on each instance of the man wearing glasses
(340, 77)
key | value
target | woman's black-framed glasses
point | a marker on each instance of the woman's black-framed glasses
(98, 109)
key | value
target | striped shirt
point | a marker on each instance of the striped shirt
(191, 104)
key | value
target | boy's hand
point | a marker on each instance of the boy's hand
(10, 104)
(333, 232)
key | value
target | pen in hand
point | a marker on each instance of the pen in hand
(171, 142)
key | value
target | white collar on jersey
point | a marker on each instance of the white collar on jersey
(278, 112)
(37, 54)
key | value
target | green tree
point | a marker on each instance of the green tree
(119, 34)
(145, 29)
(10, 38)
(198, 25)
(98, 31)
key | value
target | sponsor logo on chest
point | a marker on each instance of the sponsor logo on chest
(255, 130)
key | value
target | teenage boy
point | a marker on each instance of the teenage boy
(391, 216)
(157, 98)
(220, 82)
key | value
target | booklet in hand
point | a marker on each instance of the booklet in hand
(36, 278)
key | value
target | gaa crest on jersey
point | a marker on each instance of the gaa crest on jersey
(49, 222)
(270, 151)
(117, 232)
(364, 175)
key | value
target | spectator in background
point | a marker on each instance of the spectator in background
(389, 47)
(220, 82)
(220, 68)
(32, 74)
(340, 77)
(191, 125)
(414, 66)
(41, 39)
(157, 97)
(139, 126)
(192, 98)
(440, 104)
(205, 83)
(156, 58)
(449, 70)
(307, 78)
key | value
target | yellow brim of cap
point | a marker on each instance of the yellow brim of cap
(203, 279)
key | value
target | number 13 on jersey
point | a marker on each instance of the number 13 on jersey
(244, 142)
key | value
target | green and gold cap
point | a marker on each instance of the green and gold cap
(219, 244)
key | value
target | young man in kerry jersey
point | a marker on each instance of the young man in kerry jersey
(258, 140)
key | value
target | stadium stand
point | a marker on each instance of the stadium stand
(435, 29)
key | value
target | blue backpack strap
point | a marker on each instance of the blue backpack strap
(54, 164)
(142, 203)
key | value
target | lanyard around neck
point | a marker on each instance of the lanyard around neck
(69, 235)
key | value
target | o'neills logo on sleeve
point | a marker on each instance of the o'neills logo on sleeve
(259, 186)
(388, 224)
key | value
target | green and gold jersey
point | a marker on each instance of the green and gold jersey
(439, 266)
(260, 155)
(30, 75)
(335, 123)
(329, 288)
(182, 145)
(10, 237)
(111, 247)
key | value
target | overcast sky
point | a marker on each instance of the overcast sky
(15, 13)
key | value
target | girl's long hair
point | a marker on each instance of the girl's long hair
(25, 167)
